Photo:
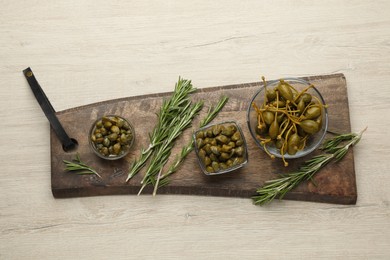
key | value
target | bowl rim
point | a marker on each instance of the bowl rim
(297, 155)
(92, 145)
(228, 170)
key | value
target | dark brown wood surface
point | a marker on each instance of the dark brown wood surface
(334, 184)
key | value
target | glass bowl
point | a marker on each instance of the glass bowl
(111, 137)
(222, 144)
(312, 142)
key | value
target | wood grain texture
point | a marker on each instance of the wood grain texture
(335, 184)
(84, 52)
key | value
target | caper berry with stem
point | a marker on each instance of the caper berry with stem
(287, 118)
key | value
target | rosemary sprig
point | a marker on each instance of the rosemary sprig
(79, 167)
(335, 148)
(211, 114)
(168, 112)
(160, 158)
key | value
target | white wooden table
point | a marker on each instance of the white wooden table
(88, 51)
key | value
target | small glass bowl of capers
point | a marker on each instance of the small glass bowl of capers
(111, 137)
(287, 118)
(220, 148)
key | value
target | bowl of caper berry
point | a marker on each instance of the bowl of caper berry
(220, 148)
(111, 137)
(287, 118)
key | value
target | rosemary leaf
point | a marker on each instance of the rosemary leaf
(168, 112)
(79, 167)
(335, 148)
(161, 156)
(187, 149)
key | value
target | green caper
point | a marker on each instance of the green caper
(293, 143)
(273, 129)
(227, 148)
(93, 138)
(239, 151)
(99, 124)
(106, 142)
(107, 125)
(268, 117)
(213, 157)
(103, 131)
(123, 139)
(209, 133)
(239, 142)
(306, 97)
(310, 126)
(213, 141)
(207, 161)
(236, 161)
(115, 129)
(231, 144)
(280, 103)
(224, 157)
(227, 131)
(285, 91)
(120, 123)
(202, 153)
(312, 112)
(229, 163)
(199, 143)
(271, 95)
(216, 130)
(222, 139)
(223, 166)
(112, 137)
(301, 106)
(104, 151)
(215, 166)
(207, 148)
(207, 140)
(215, 150)
(199, 134)
(117, 148)
(209, 169)
(236, 136)
(126, 126)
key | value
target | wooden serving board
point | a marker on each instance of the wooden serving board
(334, 184)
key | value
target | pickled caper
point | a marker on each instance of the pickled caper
(239, 142)
(227, 148)
(216, 130)
(312, 112)
(215, 166)
(310, 126)
(202, 153)
(207, 161)
(221, 149)
(293, 143)
(289, 119)
(224, 157)
(268, 117)
(215, 150)
(111, 136)
(200, 135)
(236, 136)
(222, 139)
(285, 91)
